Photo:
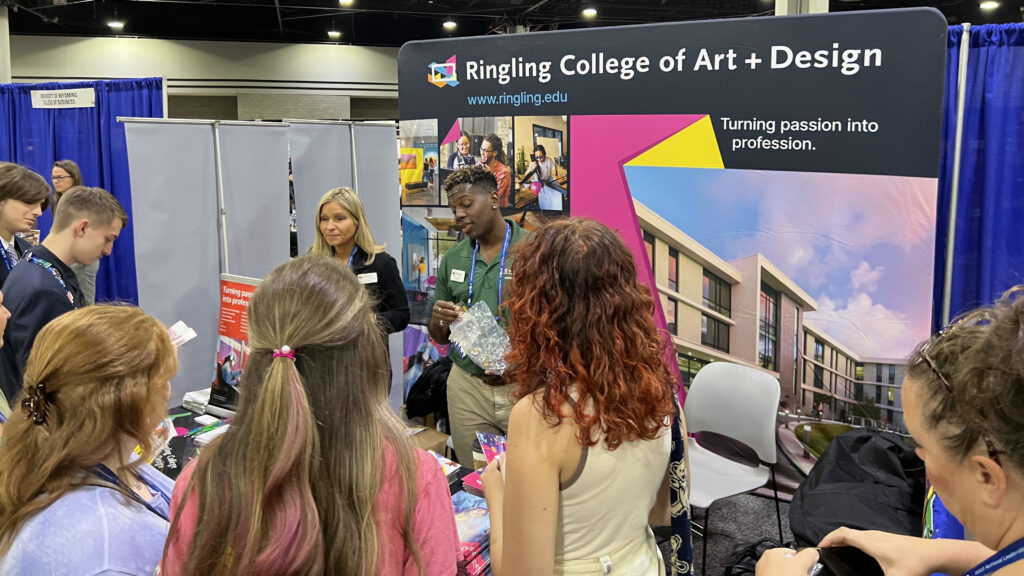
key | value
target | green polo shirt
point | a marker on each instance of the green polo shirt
(453, 281)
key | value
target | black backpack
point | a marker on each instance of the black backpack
(866, 479)
(429, 394)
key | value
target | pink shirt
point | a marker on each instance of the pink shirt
(433, 523)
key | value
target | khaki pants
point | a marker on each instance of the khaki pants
(474, 407)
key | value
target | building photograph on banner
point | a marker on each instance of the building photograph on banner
(787, 264)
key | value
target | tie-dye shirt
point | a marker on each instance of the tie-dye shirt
(91, 531)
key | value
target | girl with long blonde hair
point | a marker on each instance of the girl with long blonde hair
(316, 474)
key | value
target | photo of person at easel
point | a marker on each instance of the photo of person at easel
(541, 163)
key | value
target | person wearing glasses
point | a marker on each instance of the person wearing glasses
(461, 157)
(65, 175)
(543, 168)
(963, 404)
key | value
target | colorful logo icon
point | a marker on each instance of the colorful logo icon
(443, 74)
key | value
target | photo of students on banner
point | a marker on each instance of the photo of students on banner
(541, 163)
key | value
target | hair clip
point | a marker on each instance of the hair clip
(36, 404)
(285, 352)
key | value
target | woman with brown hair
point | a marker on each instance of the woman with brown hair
(316, 474)
(963, 404)
(73, 498)
(64, 176)
(589, 439)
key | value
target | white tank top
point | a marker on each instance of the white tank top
(603, 510)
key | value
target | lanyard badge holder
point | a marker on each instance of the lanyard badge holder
(477, 334)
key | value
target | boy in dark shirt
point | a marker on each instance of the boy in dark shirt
(42, 285)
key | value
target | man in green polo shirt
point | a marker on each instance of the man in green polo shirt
(477, 402)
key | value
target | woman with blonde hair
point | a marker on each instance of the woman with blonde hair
(343, 233)
(316, 474)
(73, 498)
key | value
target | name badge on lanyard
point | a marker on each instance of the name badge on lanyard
(501, 267)
(368, 278)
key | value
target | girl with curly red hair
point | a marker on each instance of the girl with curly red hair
(589, 439)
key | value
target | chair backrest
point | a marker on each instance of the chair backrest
(735, 401)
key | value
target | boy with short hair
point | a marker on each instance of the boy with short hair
(23, 197)
(42, 286)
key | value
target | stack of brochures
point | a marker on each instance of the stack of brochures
(474, 527)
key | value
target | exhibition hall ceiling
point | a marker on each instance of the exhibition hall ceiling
(394, 22)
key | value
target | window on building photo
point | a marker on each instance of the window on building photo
(714, 333)
(717, 294)
(649, 245)
(768, 328)
(673, 269)
(689, 366)
(671, 316)
(819, 357)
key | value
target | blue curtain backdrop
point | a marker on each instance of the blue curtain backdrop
(988, 256)
(93, 138)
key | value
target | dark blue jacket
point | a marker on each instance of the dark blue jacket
(34, 296)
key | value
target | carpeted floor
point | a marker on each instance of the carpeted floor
(737, 520)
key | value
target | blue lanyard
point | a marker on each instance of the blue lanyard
(501, 271)
(103, 473)
(47, 266)
(352, 255)
(1000, 559)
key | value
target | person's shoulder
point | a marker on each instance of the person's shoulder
(518, 232)
(99, 532)
(383, 258)
(26, 281)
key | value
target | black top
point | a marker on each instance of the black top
(20, 246)
(34, 297)
(384, 283)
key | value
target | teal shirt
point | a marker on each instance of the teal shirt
(453, 281)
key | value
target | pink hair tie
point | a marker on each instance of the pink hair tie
(285, 352)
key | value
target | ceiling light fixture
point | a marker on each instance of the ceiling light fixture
(116, 25)
(345, 2)
(589, 12)
(449, 25)
(333, 34)
(989, 5)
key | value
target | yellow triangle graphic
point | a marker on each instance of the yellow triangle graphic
(692, 147)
